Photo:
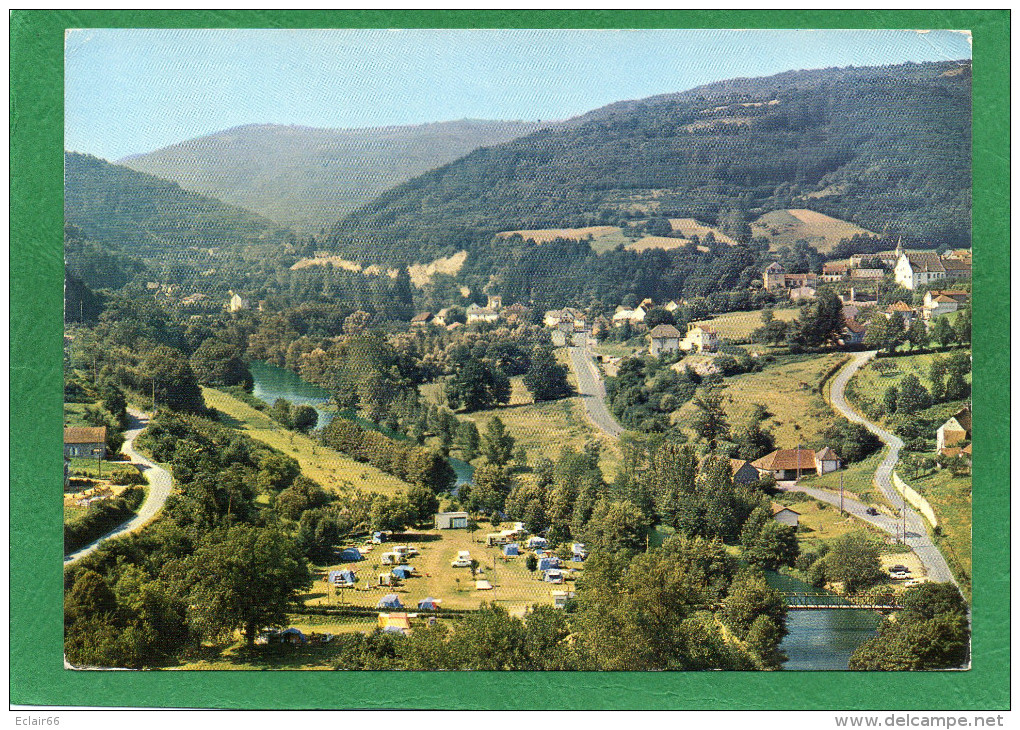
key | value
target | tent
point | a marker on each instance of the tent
(535, 541)
(402, 571)
(428, 604)
(546, 563)
(351, 555)
(292, 636)
(553, 576)
(511, 549)
(390, 600)
(342, 577)
(483, 585)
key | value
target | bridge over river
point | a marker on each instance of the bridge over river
(849, 601)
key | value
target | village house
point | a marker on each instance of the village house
(956, 268)
(867, 274)
(775, 277)
(853, 332)
(236, 302)
(954, 431)
(785, 515)
(919, 268)
(699, 338)
(937, 303)
(634, 316)
(802, 292)
(664, 338)
(481, 314)
(672, 305)
(791, 464)
(908, 313)
(85, 441)
(421, 319)
(554, 317)
(516, 312)
(885, 259)
(646, 303)
(835, 271)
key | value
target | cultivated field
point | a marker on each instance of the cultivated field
(545, 235)
(689, 227)
(329, 468)
(661, 242)
(788, 387)
(786, 227)
(738, 326)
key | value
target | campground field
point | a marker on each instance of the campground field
(329, 468)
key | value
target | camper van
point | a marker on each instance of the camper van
(393, 558)
(463, 560)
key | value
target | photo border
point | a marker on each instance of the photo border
(37, 673)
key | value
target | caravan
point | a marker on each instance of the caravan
(393, 558)
(463, 560)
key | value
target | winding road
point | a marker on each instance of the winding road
(916, 533)
(593, 391)
(160, 485)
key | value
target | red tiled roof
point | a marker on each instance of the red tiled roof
(777, 508)
(665, 331)
(85, 435)
(786, 460)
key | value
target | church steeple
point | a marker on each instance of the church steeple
(899, 247)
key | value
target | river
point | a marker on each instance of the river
(272, 382)
(822, 639)
(817, 639)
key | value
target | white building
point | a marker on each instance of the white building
(664, 338)
(919, 268)
(699, 338)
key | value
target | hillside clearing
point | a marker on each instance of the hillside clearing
(788, 387)
(329, 468)
(786, 227)
(660, 242)
(738, 326)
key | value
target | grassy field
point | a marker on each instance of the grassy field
(786, 227)
(513, 585)
(788, 387)
(738, 326)
(329, 468)
(858, 480)
(661, 242)
(688, 227)
(950, 497)
(543, 429)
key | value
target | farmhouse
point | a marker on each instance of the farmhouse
(699, 338)
(236, 302)
(85, 441)
(421, 319)
(634, 316)
(802, 292)
(743, 471)
(791, 464)
(785, 515)
(953, 431)
(908, 313)
(451, 520)
(835, 271)
(937, 303)
(664, 338)
(956, 268)
(481, 314)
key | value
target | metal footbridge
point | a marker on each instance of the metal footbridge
(849, 601)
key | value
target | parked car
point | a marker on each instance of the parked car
(871, 511)
(463, 560)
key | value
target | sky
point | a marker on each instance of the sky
(134, 91)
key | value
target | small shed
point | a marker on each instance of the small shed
(351, 555)
(785, 515)
(511, 550)
(452, 520)
(390, 600)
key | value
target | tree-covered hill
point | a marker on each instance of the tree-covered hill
(887, 148)
(307, 178)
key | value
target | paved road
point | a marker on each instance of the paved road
(916, 534)
(160, 484)
(593, 392)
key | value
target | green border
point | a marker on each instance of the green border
(37, 673)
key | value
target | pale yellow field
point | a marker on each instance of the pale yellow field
(545, 235)
(690, 227)
(785, 227)
(789, 389)
(738, 326)
(329, 468)
(663, 242)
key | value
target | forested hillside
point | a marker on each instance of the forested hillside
(886, 148)
(307, 178)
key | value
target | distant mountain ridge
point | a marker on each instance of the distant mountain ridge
(306, 177)
(885, 148)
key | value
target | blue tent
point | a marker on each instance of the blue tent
(390, 600)
(547, 563)
(292, 636)
(428, 604)
(511, 549)
(351, 555)
(535, 541)
(402, 571)
(342, 577)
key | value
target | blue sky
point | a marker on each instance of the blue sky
(132, 91)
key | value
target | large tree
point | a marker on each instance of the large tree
(476, 386)
(709, 420)
(245, 578)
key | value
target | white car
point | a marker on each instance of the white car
(463, 560)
